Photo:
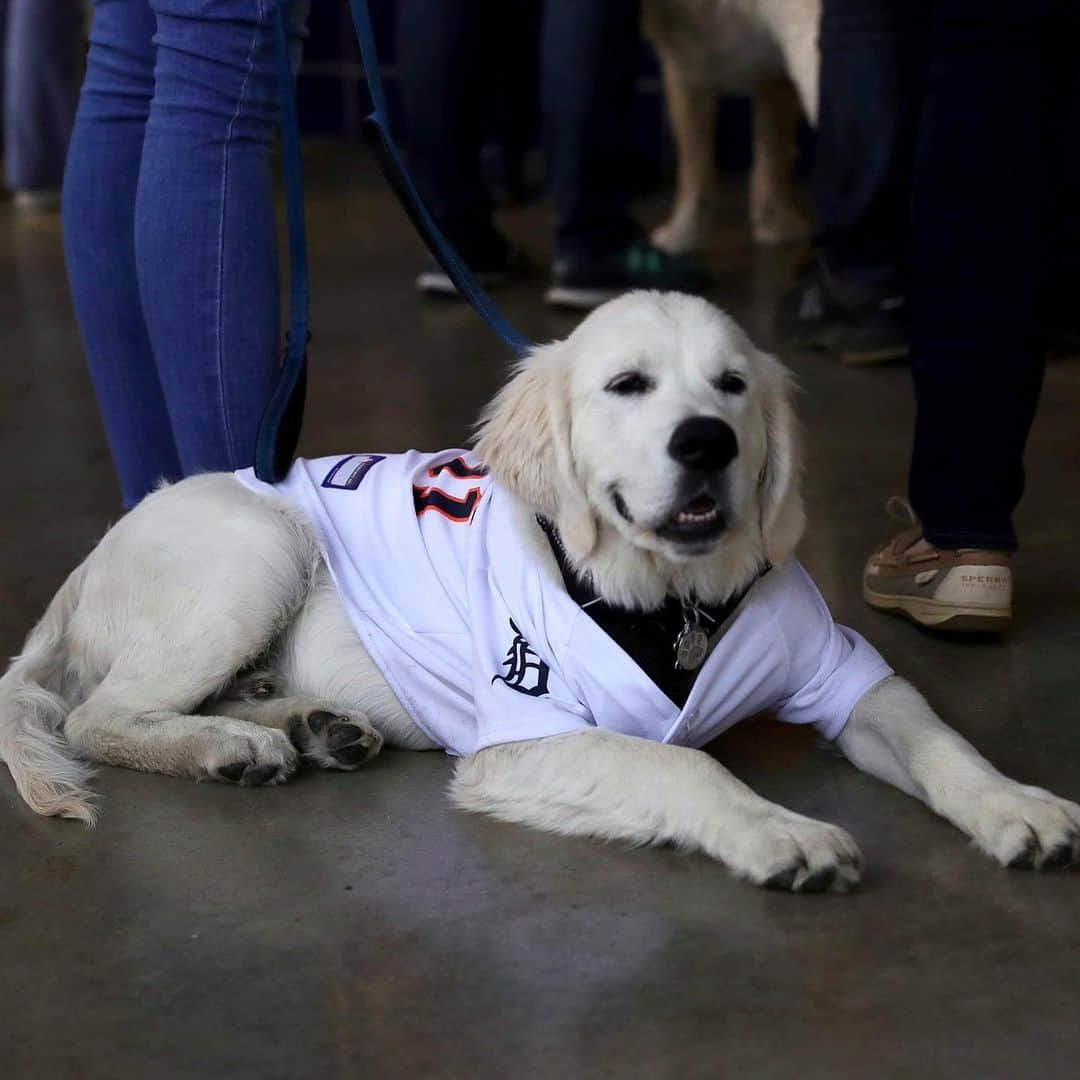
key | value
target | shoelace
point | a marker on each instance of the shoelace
(901, 511)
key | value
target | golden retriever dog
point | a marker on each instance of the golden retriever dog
(765, 48)
(573, 609)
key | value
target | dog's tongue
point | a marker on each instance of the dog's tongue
(701, 505)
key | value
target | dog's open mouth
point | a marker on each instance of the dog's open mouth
(699, 519)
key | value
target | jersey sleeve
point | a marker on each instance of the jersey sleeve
(518, 691)
(829, 666)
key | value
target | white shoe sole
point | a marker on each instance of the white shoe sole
(438, 283)
(435, 282)
(581, 299)
(941, 614)
(27, 200)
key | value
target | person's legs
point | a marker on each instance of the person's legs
(443, 58)
(588, 59)
(978, 268)
(872, 60)
(205, 234)
(980, 245)
(99, 243)
(514, 119)
(1063, 317)
(851, 299)
(41, 64)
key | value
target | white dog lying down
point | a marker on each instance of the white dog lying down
(224, 631)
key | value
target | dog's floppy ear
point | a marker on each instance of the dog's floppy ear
(524, 437)
(782, 516)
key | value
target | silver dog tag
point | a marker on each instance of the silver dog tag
(691, 647)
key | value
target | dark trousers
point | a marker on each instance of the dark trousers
(448, 51)
(955, 108)
(42, 45)
(870, 94)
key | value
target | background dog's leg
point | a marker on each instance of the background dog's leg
(322, 731)
(797, 33)
(774, 214)
(692, 110)
(893, 734)
(599, 783)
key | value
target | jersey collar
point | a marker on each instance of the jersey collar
(647, 638)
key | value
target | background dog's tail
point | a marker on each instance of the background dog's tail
(32, 712)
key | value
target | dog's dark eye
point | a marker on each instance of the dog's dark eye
(629, 382)
(731, 382)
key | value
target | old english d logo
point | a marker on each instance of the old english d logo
(526, 672)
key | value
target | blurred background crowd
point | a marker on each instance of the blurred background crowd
(926, 153)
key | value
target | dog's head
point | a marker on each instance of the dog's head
(660, 441)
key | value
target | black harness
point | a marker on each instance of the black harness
(656, 639)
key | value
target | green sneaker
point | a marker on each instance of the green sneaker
(586, 281)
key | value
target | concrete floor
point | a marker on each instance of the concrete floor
(355, 925)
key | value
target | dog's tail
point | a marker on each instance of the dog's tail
(48, 776)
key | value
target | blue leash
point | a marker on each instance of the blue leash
(279, 430)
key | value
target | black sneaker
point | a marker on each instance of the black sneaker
(510, 266)
(857, 321)
(582, 281)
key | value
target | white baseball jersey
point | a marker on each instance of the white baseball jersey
(483, 645)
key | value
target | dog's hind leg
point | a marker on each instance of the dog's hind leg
(190, 588)
(123, 722)
(325, 733)
(320, 687)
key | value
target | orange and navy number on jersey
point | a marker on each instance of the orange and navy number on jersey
(348, 472)
(459, 468)
(454, 507)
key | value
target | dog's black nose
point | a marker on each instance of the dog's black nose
(704, 443)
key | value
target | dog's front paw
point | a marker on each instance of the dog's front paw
(799, 855)
(250, 756)
(1027, 828)
(334, 740)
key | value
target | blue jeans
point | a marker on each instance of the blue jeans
(169, 230)
(42, 41)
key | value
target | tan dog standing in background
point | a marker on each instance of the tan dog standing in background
(765, 48)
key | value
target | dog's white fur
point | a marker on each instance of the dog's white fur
(765, 48)
(144, 658)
